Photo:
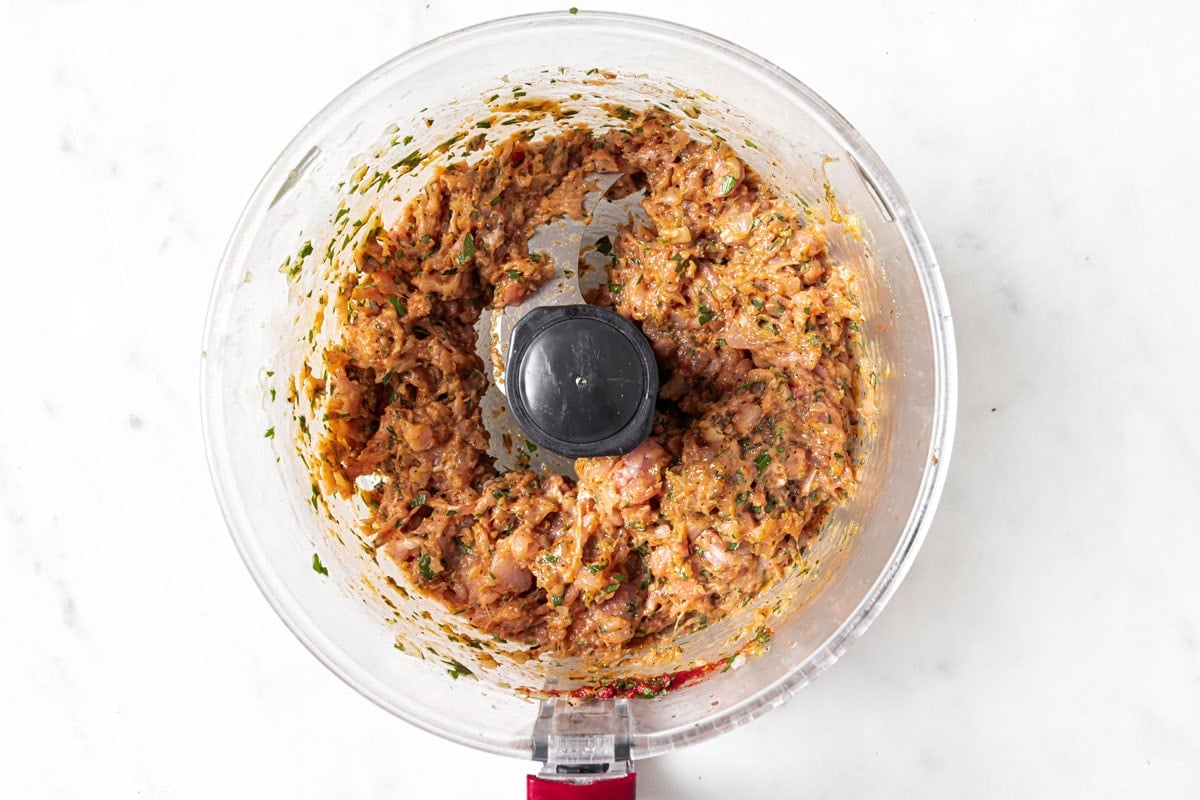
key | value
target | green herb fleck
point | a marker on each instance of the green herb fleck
(398, 304)
(733, 546)
(468, 250)
(572, 10)
(423, 566)
(750, 144)
(420, 500)
(318, 567)
(727, 184)
(706, 314)
(513, 274)
(457, 670)
(484, 124)
(306, 250)
(761, 461)
(270, 433)
(409, 161)
(556, 600)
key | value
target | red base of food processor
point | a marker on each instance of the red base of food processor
(622, 788)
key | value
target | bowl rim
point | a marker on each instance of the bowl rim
(941, 434)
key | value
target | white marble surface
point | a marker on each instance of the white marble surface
(1045, 644)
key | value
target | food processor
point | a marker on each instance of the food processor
(353, 167)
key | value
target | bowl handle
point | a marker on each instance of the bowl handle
(586, 749)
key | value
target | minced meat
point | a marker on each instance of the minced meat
(752, 326)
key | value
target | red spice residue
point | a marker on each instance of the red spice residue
(646, 688)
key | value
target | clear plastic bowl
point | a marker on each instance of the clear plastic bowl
(259, 318)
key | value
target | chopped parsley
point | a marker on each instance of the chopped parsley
(761, 461)
(706, 314)
(398, 305)
(727, 184)
(611, 589)
(457, 670)
(513, 274)
(420, 500)
(468, 250)
(270, 433)
(409, 161)
(423, 566)
(318, 567)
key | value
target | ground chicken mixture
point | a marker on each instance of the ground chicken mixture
(752, 326)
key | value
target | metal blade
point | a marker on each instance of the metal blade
(559, 240)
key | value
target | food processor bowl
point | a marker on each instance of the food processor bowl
(358, 161)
